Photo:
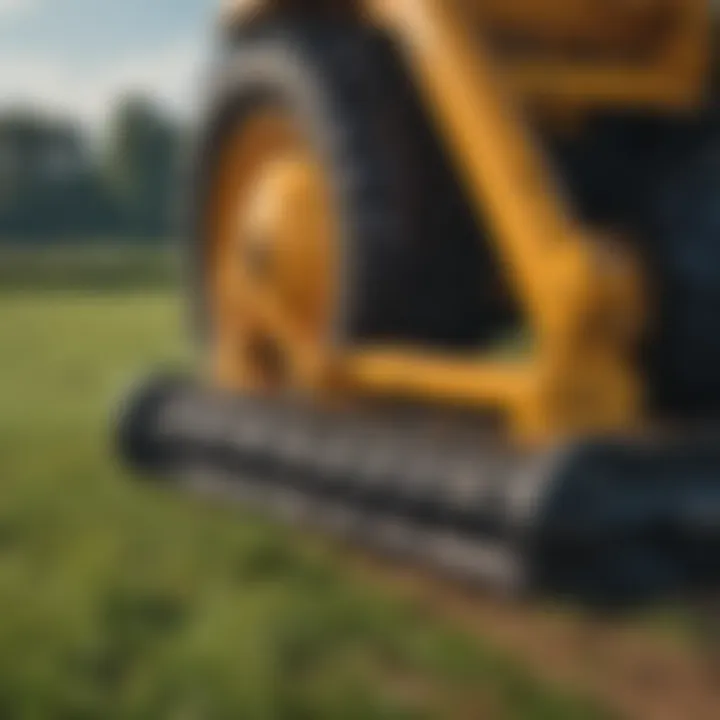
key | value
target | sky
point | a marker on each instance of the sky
(74, 57)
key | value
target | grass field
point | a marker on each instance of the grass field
(87, 268)
(117, 601)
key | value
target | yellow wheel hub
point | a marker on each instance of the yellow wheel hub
(271, 258)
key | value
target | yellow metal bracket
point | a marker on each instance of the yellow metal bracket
(582, 293)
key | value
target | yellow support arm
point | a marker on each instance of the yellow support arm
(573, 287)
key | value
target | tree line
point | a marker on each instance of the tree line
(61, 183)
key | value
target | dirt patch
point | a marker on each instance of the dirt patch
(634, 672)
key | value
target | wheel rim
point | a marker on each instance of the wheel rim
(272, 255)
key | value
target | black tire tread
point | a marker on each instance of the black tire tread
(414, 267)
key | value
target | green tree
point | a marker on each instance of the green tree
(49, 186)
(141, 161)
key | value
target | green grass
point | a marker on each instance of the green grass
(118, 601)
(87, 268)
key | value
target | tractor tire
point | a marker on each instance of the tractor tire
(684, 233)
(412, 264)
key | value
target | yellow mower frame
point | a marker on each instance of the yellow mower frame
(583, 294)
